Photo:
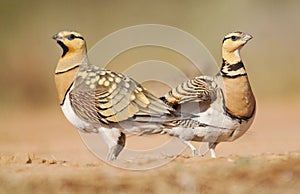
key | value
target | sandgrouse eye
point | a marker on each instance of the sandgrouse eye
(234, 38)
(71, 37)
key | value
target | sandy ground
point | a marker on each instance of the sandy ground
(40, 152)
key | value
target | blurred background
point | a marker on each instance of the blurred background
(28, 105)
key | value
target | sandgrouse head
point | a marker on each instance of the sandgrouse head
(235, 41)
(71, 42)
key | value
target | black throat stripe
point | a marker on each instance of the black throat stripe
(64, 47)
(232, 68)
(236, 66)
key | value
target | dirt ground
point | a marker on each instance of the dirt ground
(40, 152)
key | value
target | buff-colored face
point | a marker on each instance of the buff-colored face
(235, 41)
(70, 41)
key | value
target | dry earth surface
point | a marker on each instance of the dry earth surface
(40, 152)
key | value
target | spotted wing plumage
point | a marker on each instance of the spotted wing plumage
(109, 97)
(198, 89)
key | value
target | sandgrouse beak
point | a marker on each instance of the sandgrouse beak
(247, 37)
(57, 37)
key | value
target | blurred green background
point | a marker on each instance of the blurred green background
(29, 55)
